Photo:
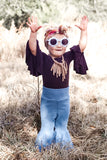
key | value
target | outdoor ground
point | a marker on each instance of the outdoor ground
(20, 100)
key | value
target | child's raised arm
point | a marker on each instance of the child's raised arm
(32, 24)
(83, 36)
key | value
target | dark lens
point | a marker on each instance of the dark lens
(65, 41)
(53, 41)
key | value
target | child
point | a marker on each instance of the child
(54, 68)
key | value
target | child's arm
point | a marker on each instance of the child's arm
(83, 36)
(32, 23)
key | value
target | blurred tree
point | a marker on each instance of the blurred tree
(47, 10)
(20, 10)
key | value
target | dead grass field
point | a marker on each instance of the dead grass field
(20, 100)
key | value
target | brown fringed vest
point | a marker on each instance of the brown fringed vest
(59, 68)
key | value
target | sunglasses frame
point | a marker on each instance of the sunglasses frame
(57, 40)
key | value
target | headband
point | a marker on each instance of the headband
(50, 32)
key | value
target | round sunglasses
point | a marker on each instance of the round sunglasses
(54, 41)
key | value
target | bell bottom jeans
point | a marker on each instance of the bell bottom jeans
(55, 109)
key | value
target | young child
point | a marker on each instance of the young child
(54, 68)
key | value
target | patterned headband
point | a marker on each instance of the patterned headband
(61, 30)
(50, 32)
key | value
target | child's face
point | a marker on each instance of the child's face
(58, 49)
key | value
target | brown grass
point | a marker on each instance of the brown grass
(20, 96)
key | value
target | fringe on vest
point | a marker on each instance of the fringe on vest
(59, 68)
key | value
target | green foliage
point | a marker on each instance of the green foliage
(95, 9)
(47, 10)
(11, 10)
(20, 10)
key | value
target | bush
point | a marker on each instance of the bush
(47, 10)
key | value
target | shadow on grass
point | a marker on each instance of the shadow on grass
(19, 127)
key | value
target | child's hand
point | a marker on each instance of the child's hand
(32, 24)
(83, 24)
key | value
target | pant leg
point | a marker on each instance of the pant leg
(62, 133)
(48, 114)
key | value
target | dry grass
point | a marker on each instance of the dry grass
(19, 100)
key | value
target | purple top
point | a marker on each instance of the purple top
(42, 63)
